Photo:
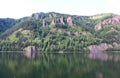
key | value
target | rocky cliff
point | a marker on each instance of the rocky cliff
(111, 20)
(52, 18)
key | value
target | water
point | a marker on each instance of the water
(76, 65)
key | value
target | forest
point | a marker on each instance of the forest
(59, 32)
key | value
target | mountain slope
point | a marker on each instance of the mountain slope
(59, 32)
(6, 24)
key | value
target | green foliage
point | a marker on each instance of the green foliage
(6, 24)
(102, 16)
(59, 36)
(109, 33)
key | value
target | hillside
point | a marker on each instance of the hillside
(6, 24)
(60, 32)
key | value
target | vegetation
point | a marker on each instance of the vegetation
(53, 32)
(6, 24)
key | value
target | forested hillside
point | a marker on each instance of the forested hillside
(6, 24)
(59, 32)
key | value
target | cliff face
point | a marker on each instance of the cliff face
(112, 20)
(53, 18)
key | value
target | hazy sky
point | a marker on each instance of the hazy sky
(21, 8)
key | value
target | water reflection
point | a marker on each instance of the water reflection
(105, 56)
(62, 65)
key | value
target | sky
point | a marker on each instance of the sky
(22, 8)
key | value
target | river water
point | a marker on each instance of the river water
(60, 65)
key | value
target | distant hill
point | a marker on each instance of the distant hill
(59, 32)
(6, 24)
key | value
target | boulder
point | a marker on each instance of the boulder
(30, 52)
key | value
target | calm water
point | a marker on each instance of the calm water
(79, 65)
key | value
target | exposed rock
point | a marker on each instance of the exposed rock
(113, 20)
(69, 21)
(30, 52)
(44, 23)
(53, 17)
(116, 20)
(98, 26)
(61, 20)
(53, 22)
(38, 15)
(101, 47)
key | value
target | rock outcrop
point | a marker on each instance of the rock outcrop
(38, 16)
(101, 47)
(112, 20)
(52, 18)
(53, 22)
(30, 52)
(44, 23)
(62, 20)
(69, 21)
